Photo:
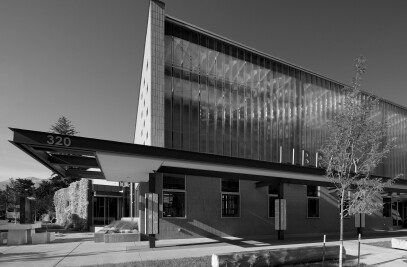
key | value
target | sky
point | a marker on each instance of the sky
(82, 58)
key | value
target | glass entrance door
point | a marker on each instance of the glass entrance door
(105, 210)
(397, 213)
(112, 208)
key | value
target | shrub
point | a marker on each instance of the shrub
(119, 226)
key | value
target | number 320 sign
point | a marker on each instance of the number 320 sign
(58, 140)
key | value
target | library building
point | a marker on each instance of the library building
(224, 134)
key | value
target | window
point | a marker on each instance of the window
(230, 190)
(387, 207)
(313, 201)
(174, 201)
(273, 192)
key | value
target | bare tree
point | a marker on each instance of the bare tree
(357, 143)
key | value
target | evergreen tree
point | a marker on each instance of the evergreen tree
(63, 126)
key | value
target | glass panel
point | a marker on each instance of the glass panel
(168, 108)
(241, 122)
(255, 112)
(313, 207)
(194, 113)
(111, 209)
(230, 185)
(280, 110)
(269, 116)
(228, 65)
(312, 191)
(220, 60)
(241, 67)
(99, 211)
(203, 134)
(186, 51)
(168, 50)
(273, 189)
(173, 182)
(235, 120)
(235, 65)
(211, 57)
(194, 52)
(248, 123)
(176, 118)
(173, 204)
(272, 206)
(178, 54)
(186, 103)
(286, 101)
(227, 124)
(203, 56)
(230, 205)
(219, 118)
(274, 113)
(211, 111)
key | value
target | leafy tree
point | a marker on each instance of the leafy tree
(17, 188)
(357, 143)
(63, 126)
(44, 194)
(3, 203)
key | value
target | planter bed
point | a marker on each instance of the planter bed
(122, 237)
(103, 236)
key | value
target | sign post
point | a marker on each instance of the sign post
(360, 222)
(151, 217)
(280, 217)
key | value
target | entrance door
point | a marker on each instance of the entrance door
(112, 208)
(397, 213)
(106, 210)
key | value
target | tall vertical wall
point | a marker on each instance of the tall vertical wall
(150, 113)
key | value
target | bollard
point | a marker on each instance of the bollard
(323, 253)
(359, 250)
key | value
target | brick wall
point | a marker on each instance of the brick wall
(203, 212)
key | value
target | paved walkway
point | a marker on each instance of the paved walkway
(78, 249)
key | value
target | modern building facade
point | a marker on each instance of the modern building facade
(211, 95)
(222, 131)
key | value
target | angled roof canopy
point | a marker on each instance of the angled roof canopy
(117, 161)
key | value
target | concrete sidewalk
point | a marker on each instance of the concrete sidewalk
(78, 249)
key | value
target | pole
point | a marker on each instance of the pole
(131, 201)
(323, 255)
(359, 249)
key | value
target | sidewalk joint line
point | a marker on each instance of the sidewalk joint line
(68, 254)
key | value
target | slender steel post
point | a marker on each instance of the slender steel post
(359, 249)
(323, 254)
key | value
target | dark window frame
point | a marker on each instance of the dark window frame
(314, 197)
(230, 194)
(178, 191)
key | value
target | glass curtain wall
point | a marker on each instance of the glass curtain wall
(222, 99)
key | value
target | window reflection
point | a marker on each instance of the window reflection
(224, 100)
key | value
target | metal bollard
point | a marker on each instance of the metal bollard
(359, 237)
(323, 253)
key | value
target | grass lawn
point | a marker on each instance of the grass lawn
(328, 264)
(206, 261)
(182, 262)
(383, 244)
